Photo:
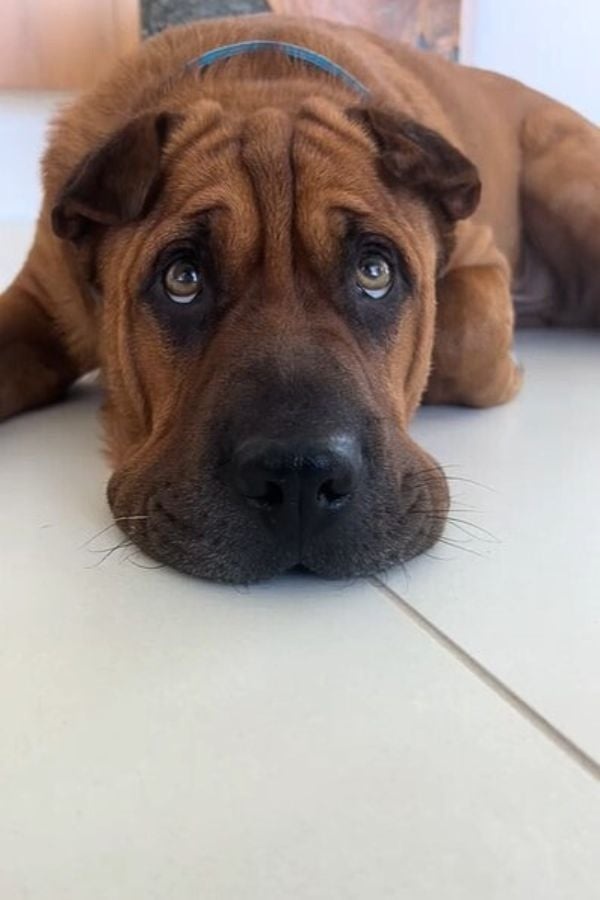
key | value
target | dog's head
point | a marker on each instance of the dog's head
(268, 289)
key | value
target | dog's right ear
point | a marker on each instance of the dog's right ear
(117, 183)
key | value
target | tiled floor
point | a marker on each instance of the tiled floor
(429, 736)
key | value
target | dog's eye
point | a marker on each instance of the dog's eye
(374, 276)
(182, 281)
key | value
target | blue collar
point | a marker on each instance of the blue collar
(294, 51)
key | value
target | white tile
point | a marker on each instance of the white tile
(528, 606)
(162, 737)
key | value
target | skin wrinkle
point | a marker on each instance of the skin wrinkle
(127, 347)
(271, 176)
(421, 346)
(208, 114)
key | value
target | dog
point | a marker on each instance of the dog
(276, 237)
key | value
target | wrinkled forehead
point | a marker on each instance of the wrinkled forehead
(273, 175)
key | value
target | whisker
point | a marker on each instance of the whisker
(112, 524)
(139, 565)
(451, 477)
(458, 546)
(463, 526)
(442, 511)
(418, 481)
(431, 555)
(122, 545)
(128, 518)
(472, 481)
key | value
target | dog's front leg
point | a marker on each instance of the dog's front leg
(47, 335)
(472, 362)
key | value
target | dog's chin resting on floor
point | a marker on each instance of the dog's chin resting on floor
(275, 252)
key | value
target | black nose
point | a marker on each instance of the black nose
(299, 486)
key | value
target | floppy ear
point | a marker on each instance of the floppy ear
(419, 158)
(116, 183)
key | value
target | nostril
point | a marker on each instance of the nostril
(332, 494)
(271, 496)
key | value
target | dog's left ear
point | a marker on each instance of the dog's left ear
(421, 159)
(116, 183)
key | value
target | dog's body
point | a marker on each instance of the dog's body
(295, 200)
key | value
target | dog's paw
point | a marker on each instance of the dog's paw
(498, 384)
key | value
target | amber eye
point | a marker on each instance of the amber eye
(374, 276)
(182, 282)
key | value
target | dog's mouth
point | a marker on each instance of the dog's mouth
(197, 528)
(289, 472)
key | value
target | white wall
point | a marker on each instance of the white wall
(24, 117)
(552, 45)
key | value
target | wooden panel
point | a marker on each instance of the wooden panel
(429, 24)
(63, 44)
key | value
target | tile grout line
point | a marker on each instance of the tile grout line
(539, 722)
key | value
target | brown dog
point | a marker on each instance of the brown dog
(264, 259)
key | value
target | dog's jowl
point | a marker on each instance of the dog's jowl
(277, 237)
